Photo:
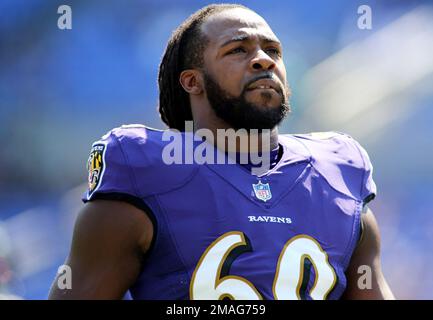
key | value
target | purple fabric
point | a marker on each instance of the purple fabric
(319, 183)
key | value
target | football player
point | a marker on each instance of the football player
(299, 230)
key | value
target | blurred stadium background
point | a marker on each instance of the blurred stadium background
(62, 89)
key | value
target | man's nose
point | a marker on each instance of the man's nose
(262, 61)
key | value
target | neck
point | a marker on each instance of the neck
(228, 139)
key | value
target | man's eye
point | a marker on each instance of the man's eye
(237, 50)
(274, 51)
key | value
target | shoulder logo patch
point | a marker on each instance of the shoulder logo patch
(95, 165)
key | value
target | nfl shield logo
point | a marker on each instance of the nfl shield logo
(262, 191)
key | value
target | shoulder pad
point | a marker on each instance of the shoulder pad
(343, 162)
(130, 160)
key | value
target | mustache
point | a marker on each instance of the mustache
(267, 75)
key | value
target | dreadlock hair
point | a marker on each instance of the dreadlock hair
(184, 51)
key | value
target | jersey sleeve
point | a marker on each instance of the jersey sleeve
(108, 170)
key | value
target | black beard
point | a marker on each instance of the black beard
(241, 114)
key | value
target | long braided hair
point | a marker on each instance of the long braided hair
(184, 51)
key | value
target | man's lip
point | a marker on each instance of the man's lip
(267, 83)
(263, 89)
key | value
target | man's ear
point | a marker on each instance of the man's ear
(191, 81)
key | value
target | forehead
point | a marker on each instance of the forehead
(230, 23)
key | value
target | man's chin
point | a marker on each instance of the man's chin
(266, 106)
(265, 102)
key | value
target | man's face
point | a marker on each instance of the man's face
(244, 74)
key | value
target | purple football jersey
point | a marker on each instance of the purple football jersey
(221, 232)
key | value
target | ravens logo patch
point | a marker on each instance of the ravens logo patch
(95, 166)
